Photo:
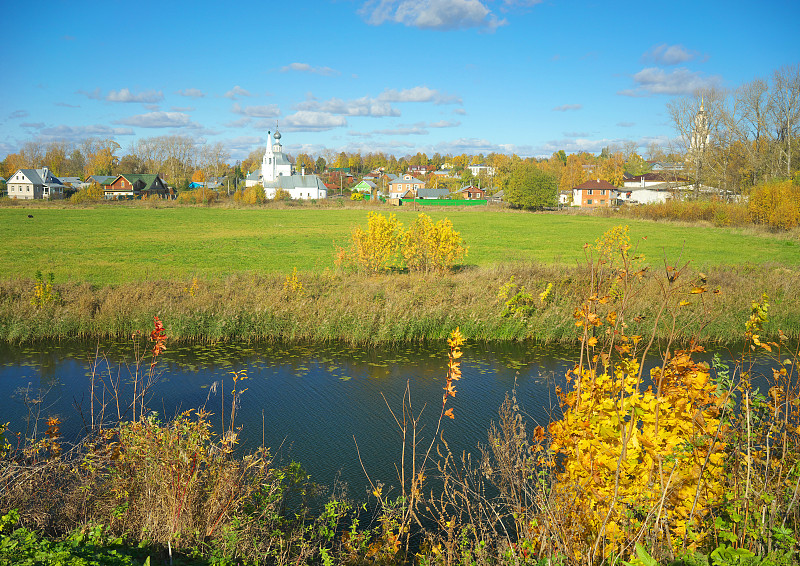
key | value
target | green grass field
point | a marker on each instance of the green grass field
(116, 244)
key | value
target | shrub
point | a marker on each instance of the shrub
(377, 248)
(430, 247)
(93, 193)
(775, 204)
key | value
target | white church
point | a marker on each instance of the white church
(277, 173)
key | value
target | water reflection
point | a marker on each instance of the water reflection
(309, 403)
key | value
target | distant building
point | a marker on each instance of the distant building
(277, 172)
(476, 170)
(30, 184)
(400, 186)
(133, 186)
(593, 194)
(473, 192)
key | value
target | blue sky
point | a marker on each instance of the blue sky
(401, 76)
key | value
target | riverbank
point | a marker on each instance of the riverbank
(394, 308)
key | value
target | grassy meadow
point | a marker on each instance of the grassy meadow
(114, 267)
(110, 245)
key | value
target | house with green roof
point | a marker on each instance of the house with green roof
(133, 186)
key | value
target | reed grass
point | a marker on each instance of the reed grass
(385, 309)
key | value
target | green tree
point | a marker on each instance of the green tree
(529, 187)
(320, 165)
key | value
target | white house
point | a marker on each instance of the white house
(277, 173)
(476, 170)
(29, 184)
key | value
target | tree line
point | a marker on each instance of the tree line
(748, 135)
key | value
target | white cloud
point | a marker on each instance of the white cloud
(192, 92)
(65, 105)
(626, 124)
(236, 92)
(669, 54)
(576, 145)
(183, 109)
(75, 133)
(653, 80)
(310, 121)
(460, 111)
(567, 107)
(364, 106)
(125, 95)
(306, 68)
(576, 134)
(431, 14)
(17, 114)
(443, 124)
(32, 125)
(240, 123)
(159, 120)
(268, 111)
(418, 94)
(411, 131)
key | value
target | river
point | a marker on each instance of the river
(319, 405)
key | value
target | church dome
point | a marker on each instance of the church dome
(277, 135)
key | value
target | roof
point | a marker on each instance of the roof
(101, 179)
(433, 193)
(254, 176)
(596, 184)
(40, 176)
(147, 180)
(665, 177)
(287, 182)
(370, 184)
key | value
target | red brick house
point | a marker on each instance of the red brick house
(473, 192)
(130, 186)
(592, 194)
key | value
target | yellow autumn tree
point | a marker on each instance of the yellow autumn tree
(375, 249)
(432, 247)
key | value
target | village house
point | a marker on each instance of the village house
(476, 170)
(135, 185)
(29, 184)
(472, 192)
(402, 186)
(365, 186)
(592, 194)
(651, 188)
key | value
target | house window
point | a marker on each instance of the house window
(603, 201)
(589, 201)
(603, 192)
(590, 191)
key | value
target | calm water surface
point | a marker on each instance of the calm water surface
(310, 404)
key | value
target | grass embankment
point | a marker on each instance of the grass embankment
(390, 308)
(115, 267)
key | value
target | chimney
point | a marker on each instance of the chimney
(303, 170)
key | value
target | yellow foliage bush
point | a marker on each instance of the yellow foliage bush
(632, 460)
(776, 205)
(92, 193)
(197, 196)
(377, 248)
(251, 195)
(385, 244)
(431, 247)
